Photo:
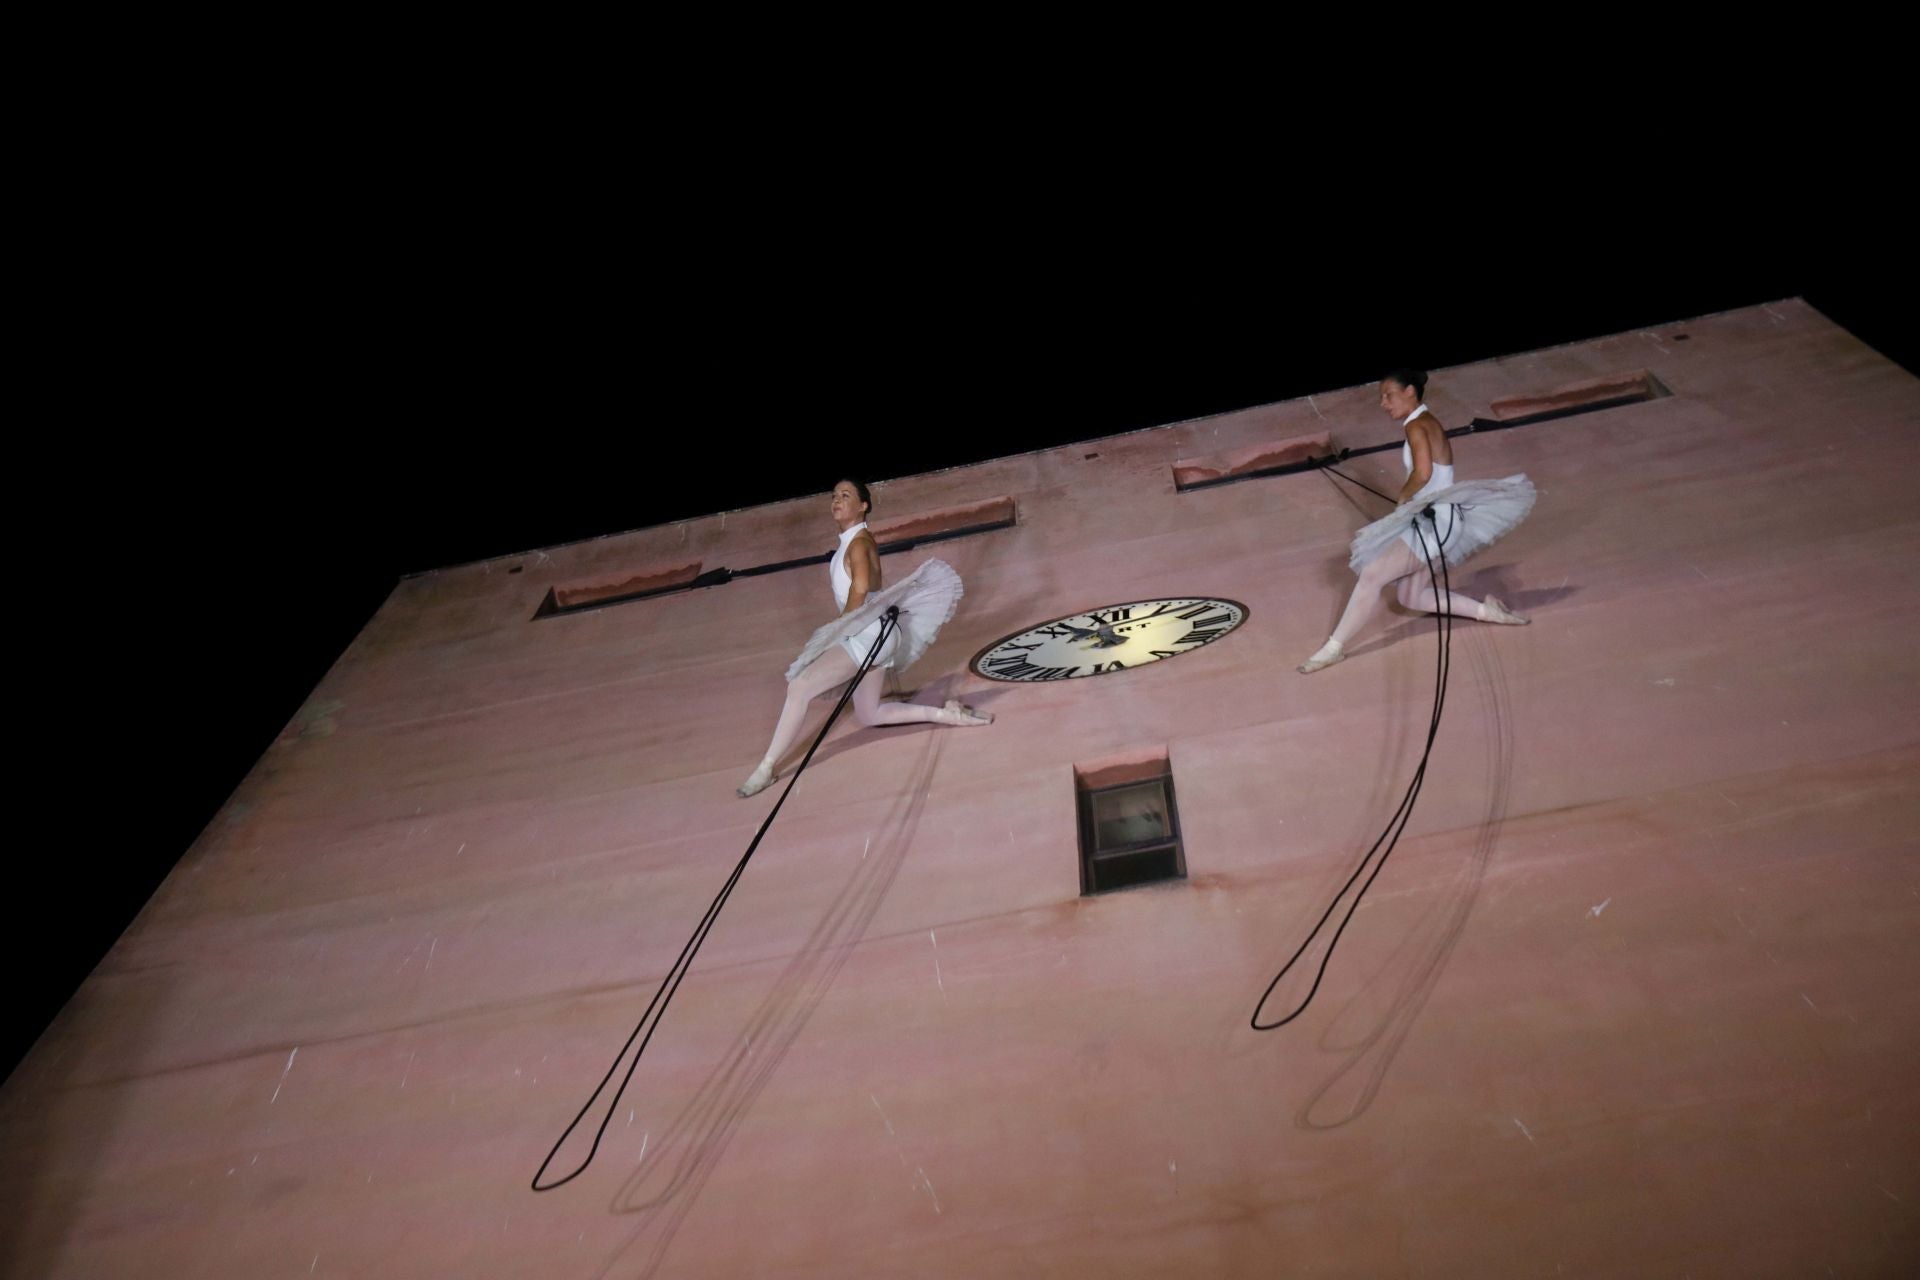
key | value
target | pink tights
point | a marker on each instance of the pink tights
(827, 673)
(1400, 562)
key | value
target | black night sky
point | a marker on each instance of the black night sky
(293, 402)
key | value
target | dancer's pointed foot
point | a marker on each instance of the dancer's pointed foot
(757, 781)
(960, 715)
(1325, 656)
(1491, 610)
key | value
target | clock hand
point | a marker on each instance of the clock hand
(1108, 640)
(1104, 638)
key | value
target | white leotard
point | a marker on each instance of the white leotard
(1441, 472)
(861, 641)
(1440, 477)
(837, 567)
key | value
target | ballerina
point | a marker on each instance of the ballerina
(926, 599)
(1465, 517)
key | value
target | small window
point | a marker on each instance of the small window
(1129, 827)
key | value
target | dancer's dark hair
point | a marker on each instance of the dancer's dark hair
(861, 490)
(1415, 378)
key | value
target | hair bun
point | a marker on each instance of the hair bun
(1415, 378)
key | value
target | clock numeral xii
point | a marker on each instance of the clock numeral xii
(1012, 668)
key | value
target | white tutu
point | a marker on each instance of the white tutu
(1470, 515)
(927, 598)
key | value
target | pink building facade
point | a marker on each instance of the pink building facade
(1634, 996)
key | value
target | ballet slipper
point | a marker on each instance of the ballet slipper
(960, 715)
(1491, 610)
(757, 781)
(1325, 656)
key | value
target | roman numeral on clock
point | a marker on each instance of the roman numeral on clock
(1021, 669)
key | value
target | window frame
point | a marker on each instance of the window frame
(1091, 854)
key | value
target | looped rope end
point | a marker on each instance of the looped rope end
(670, 985)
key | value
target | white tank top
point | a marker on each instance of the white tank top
(837, 567)
(1441, 472)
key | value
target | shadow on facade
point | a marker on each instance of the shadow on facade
(1374, 1024)
(667, 1184)
(58, 1126)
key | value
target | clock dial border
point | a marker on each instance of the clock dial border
(973, 663)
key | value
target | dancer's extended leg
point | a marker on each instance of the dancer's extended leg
(1416, 592)
(1396, 561)
(874, 710)
(823, 675)
(827, 672)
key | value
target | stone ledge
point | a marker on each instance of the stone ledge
(1639, 385)
(989, 513)
(1211, 469)
(630, 582)
(1138, 765)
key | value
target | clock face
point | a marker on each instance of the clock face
(1117, 638)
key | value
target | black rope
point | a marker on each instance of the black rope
(670, 984)
(1390, 835)
(1328, 466)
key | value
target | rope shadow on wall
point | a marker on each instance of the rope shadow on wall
(667, 1183)
(1383, 1012)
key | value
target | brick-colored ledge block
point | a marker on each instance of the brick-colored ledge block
(1117, 770)
(1255, 457)
(925, 524)
(632, 582)
(1575, 394)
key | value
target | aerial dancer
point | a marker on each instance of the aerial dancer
(926, 599)
(1465, 517)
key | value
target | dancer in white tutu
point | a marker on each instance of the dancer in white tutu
(1465, 517)
(926, 599)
